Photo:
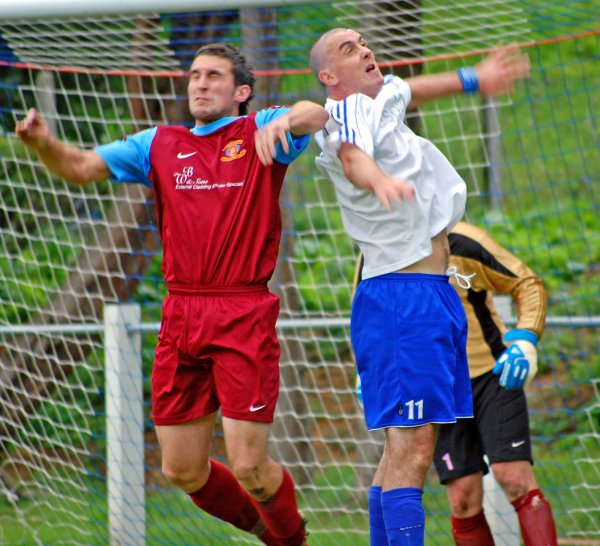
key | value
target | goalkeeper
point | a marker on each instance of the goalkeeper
(501, 364)
(216, 189)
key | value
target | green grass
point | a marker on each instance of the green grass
(335, 511)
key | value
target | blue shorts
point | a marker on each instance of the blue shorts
(409, 333)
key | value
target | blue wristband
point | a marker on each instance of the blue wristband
(526, 335)
(468, 78)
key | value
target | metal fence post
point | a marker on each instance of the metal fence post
(125, 425)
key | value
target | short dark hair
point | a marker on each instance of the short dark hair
(242, 71)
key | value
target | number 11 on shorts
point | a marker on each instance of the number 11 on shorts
(411, 404)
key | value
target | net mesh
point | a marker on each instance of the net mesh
(531, 164)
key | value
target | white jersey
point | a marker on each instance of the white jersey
(390, 240)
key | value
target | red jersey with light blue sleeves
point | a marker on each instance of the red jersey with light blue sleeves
(217, 205)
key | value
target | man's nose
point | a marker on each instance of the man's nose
(202, 82)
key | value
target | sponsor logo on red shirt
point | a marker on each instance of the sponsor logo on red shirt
(233, 150)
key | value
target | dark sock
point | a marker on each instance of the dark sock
(472, 531)
(535, 519)
(281, 516)
(223, 497)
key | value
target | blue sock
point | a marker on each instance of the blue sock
(404, 516)
(376, 524)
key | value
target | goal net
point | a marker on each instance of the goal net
(532, 166)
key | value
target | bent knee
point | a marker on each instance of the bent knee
(513, 486)
(188, 477)
(246, 472)
(464, 506)
(516, 479)
(421, 464)
(421, 457)
(465, 495)
(260, 479)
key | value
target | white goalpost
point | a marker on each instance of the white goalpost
(81, 287)
(40, 9)
(124, 425)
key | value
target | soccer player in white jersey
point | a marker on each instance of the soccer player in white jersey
(399, 197)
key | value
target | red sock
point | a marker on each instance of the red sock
(280, 514)
(535, 519)
(473, 531)
(223, 497)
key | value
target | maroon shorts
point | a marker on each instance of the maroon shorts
(217, 349)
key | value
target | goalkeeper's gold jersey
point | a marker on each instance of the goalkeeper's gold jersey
(497, 271)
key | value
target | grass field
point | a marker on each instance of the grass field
(336, 515)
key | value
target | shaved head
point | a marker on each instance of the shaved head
(344, 64)
(319, 54)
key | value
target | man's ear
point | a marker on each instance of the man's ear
(241, 93)
(327, 78)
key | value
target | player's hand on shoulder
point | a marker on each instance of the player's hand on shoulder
(392, 190)
(267, 137)
(501, 69)
(517, 365)
(33, 130)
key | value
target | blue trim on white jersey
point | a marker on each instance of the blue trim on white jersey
(348, 131)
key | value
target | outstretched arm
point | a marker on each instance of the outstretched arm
(495, 75)
(305, 117)
(364, 173)
(65, 160)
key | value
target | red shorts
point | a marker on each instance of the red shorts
(217, 349)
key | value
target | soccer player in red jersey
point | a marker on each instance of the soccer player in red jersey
(216, 189)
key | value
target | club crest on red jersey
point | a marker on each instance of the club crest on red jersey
(233, 150)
